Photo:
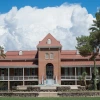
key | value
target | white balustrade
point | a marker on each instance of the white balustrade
(18, 78)
(75, 77)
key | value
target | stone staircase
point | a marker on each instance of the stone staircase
(49, 82)
(48, 94)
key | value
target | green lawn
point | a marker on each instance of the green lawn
(60, 98)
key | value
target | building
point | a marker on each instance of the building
(49, 64)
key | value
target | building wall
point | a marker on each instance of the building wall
(43, 62)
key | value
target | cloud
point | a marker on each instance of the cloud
(22, 29)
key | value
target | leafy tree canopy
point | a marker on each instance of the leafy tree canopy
(2, 52)
(86, 44)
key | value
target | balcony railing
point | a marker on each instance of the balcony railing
(76, 77)
(19, 78)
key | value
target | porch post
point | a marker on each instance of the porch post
(90, 73)
(42, 80)
(8, 81)
(75, 77)
(23, 76)
(8, 74)
(56, 80)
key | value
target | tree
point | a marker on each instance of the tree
(2, 52)
(83, 78)
(89, 45)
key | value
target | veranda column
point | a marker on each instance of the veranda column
(90, 73)
(8, 81)
(23, 76)
(8, 74)
(75, 77)
(56, 80)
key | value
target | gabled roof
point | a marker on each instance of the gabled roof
(44, 43)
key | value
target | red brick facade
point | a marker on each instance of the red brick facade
(49, 60)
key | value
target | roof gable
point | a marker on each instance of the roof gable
(49, 41)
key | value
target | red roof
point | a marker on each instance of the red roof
(72, 54)
(78, 63)
(54, 42)
(17, 64)
(68, 52)
(25, 55)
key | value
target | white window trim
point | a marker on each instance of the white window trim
(49, 41)
(51, 56)
(46, 55)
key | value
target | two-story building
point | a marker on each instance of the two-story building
(47, 65)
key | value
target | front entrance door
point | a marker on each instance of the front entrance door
(49, 71)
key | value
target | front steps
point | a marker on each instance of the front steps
(49, 82)
(48, 94)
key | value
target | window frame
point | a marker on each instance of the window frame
(51, 55)
(46, 55)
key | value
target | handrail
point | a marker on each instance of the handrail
(18, 77)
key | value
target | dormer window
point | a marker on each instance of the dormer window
(49, 41)
(20, 52)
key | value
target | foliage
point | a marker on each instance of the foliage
(89, 45)
(86, 44)
(83, 45)
(83, 78)
(2, 52)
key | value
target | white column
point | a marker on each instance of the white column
(23, 76)
(75, 77)
(8, 74)
(56, 79)
(42, 80)
(8, 81)
(90, 73)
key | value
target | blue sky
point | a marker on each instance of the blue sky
(23, 23)
(6, 5)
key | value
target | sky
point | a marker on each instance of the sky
(23, 23)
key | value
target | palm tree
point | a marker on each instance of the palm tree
(80, 79)
(2, 52)
(3, 56)
(84, 77)
(95, 29)
(95, 42)
(89, 45)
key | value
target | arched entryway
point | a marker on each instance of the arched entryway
(49, 71)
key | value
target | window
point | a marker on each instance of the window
(66, 71)
(27, 71)
(51, 55)
(83, 70)
(2, 71)
(46, 56)
(79, 71)
(20, 52)
(71, 71)
(18, 72)
(33, 71)
(49, 41)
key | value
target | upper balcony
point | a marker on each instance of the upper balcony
(18, 78)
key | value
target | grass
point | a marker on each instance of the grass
(47, 98)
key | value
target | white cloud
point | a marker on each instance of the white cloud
(22, 29)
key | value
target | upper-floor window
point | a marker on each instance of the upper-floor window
(46, 56)
(20, 52)
(49, 41)
(51, 56)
